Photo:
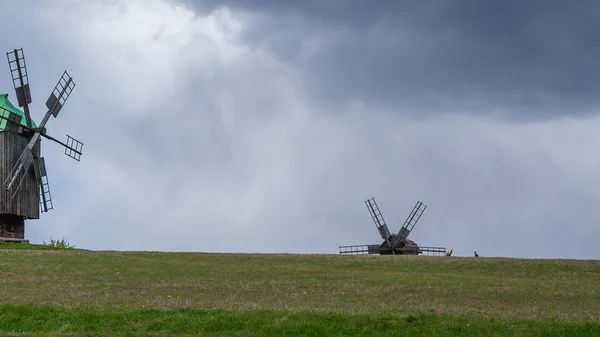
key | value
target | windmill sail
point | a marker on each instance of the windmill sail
(42, 178)
(20, 79)
(378, 219)
(410, 222)
(18, 172)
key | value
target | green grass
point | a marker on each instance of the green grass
(107, 293)
(25, 246)
(43, 320)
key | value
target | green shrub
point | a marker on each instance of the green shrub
(60, 244)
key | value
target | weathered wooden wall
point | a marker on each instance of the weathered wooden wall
(12, 226)
(26, 202)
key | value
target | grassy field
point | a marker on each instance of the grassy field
(74, 292)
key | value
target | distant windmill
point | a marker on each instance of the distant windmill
(394, 243)
(24, 189)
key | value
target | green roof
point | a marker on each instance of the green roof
(6, 107)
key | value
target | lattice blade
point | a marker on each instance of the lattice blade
(432, 251)
(60, 94)
(378, 219)
(44, 186)
(18, 73)
(357, 249)
(411, 221)
(19, 171)
(73, 148)
(46, 201)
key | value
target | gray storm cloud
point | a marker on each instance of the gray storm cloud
(468, 56)
(255, 127)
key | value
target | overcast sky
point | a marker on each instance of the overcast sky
(262, 126)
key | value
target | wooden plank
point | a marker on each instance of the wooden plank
(13, 240)
(27, 200)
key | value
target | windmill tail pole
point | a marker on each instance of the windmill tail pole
(61, 143)
(42, 134)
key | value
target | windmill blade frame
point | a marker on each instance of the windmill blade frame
(20, 80)
(73, 148)
(18, 172)
(410, 222)
(60, 94)
(44, 186)
(378, 219)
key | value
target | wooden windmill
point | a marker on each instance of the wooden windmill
(397, 244)
(24, 190)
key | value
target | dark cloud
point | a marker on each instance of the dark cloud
(270, 141)
(528, 59)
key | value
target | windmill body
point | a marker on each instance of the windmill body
(26, 203)
(394, 243)
(24, 188)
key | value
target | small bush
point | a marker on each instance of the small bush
(60, 244)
